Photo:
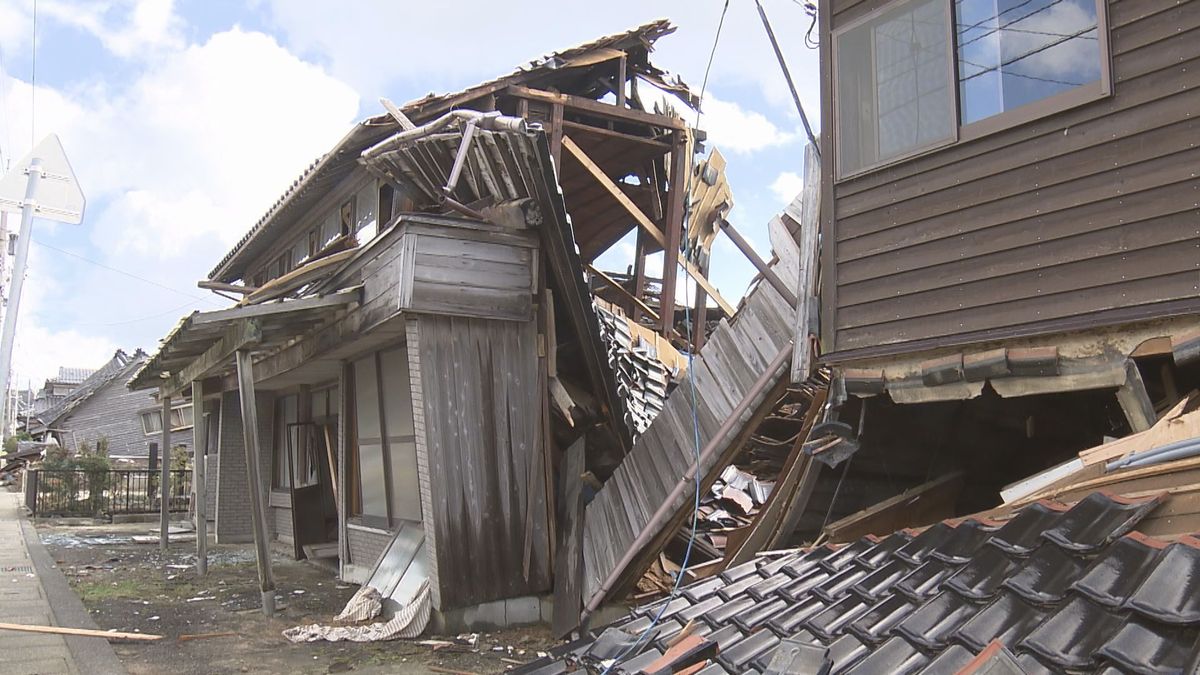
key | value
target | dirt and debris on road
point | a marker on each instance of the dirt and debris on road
(213, 624)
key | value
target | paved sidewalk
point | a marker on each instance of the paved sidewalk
(33, 591)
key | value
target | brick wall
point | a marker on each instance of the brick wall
(366, 546)
(232, 510)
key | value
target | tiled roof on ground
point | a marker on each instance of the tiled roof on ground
(1063, 589)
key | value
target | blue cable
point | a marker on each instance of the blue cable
(687, 319)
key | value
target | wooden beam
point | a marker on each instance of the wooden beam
(644, 221)
(199, 478)
(344, 297)
(673, 222)
(210, 285)
(1135, 401)
(82, 632)
(761, 265)
(608, 134)
(924, 504)
(238, 336)
(810, 252)
(621, 77)
(164, 510)
(616, 285)
(266, 578)
(588, 106)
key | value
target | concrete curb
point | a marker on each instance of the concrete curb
(91, 655)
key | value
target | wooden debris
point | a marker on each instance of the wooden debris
(82, 632)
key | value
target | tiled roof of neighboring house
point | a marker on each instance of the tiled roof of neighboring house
(1062, 588)
(120, 363)
(71, 375)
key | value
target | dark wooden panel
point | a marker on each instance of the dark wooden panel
(1035, 162)
(1178, 167)
(1028, 310)
(1089, 273)
(1025, 245)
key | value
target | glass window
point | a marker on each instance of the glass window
(181, 418)
(894, 89)
(285, 415)
(1015, 52)
(152, 422)
(388, 486)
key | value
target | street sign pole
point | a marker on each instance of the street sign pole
(50, 190)
(24, 236)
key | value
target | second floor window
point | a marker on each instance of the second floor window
(908, 77)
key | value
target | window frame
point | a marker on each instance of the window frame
(963, 133)
(355, 504)
(156, 413)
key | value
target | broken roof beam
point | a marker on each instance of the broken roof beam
(240, 335)
(271, 309)
(761, 265)
(616, 285)
(643, 220)
(589, 107)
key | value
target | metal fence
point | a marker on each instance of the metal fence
(74, 492)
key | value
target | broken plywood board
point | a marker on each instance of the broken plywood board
(924, 504)
(628, 507)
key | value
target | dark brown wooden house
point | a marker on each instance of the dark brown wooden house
(1010, 228)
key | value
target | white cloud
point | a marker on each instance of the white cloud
(127, 28)
(732, 128)
(787, 185)
(176, 162)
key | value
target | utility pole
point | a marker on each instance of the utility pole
(41, 184)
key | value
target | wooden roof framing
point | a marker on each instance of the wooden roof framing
(202, 344)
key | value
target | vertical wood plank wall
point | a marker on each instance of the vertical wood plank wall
(482, 447)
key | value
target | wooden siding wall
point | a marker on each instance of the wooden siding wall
(1074, 220)
(466, 271)
(483, 449)
(114, 412)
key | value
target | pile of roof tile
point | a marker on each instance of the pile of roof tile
(643, 379)
(1062, 589)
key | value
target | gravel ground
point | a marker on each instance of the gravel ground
(132, 587)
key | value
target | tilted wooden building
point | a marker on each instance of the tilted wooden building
(407, 307)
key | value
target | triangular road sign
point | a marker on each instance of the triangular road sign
(57, 195)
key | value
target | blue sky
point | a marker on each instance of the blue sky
(185, 120)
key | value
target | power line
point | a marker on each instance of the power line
(1048, 45)
(129, 321)
(1019, 19)
(131, 275)
(33, 84)
(688, 320)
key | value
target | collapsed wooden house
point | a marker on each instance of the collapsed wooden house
(415, 345)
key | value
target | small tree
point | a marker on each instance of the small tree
(10, 443)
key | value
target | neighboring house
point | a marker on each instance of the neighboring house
(1009, 267)
(56, 388)
(410, 302)
(101, 407)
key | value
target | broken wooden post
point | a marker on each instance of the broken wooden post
(266, 579)
(1134, 400)
(199, 479)
(673, 224)
(164, 488)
